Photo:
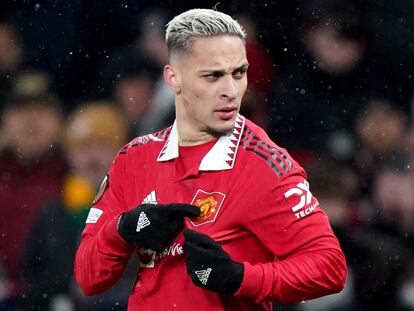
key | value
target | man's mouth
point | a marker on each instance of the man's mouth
(226, 113)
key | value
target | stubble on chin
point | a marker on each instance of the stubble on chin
(217, 133)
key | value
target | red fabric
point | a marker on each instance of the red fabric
(191, 156)
(24, 188)
(288, 256)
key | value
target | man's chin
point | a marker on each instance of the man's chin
(221, 130)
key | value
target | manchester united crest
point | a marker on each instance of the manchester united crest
(209, 204)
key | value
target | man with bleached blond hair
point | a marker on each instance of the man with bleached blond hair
(220, 216)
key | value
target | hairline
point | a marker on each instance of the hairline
(188, 49)
(184, 29)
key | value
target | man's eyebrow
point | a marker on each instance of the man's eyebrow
(242, 67)
(209, 71)
(222, 71)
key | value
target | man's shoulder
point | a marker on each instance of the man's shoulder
(146, 140)
(257, 144)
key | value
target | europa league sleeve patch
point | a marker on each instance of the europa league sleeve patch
(102, 189)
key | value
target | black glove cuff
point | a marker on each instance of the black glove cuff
(119, 228)
(234, 282)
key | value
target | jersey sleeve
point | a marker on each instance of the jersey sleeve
(102, 254)
(309, 262)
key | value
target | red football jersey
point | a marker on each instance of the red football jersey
(254, 200)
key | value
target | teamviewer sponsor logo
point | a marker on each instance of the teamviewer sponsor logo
(148, 258)
(175, 249)
(303, 207)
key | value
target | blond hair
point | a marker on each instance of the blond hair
(199, 23)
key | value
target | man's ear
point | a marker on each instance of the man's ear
(172, 78)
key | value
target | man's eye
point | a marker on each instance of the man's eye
(239, 74)
(213, 76)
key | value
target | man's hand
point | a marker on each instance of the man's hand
(153, 226)
(209, 266)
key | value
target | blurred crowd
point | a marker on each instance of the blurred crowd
(330, 80)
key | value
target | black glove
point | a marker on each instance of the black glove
(209, 265)
(153, 226)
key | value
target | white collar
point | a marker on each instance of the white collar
(220, 157)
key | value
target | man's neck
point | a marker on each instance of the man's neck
(194, 139)
(190, 137)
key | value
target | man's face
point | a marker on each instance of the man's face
(134, 96)
(31, 129)
(334, 53)
(211, 82)
(92, 159)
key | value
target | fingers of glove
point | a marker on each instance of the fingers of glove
(156, 243)
(191, 249)
(146, 207)
(197, 254)
(158, 246)
(131, 214)
(201, 240)
(181, 210)
(126, 221)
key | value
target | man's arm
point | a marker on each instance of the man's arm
(289, 223)
(310, 262)
(103, 255)
(101, 259)
(114, 229)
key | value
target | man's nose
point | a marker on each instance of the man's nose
(230, 88)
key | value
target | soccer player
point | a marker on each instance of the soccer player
(220, 216)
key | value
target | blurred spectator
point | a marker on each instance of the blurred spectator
(383, 164)
(11, 57)
(11, 50)
(31, 116)
(336, 195)
(318, 97)
(378, 261)
(95, 132)
(393, 187)
(380, 129)
(133, 91)
(152, 42)
(31, 167)
(393, 197)
(261, 65)
(152, 38)
(261, 75)
(381, 126)
(134, 75)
